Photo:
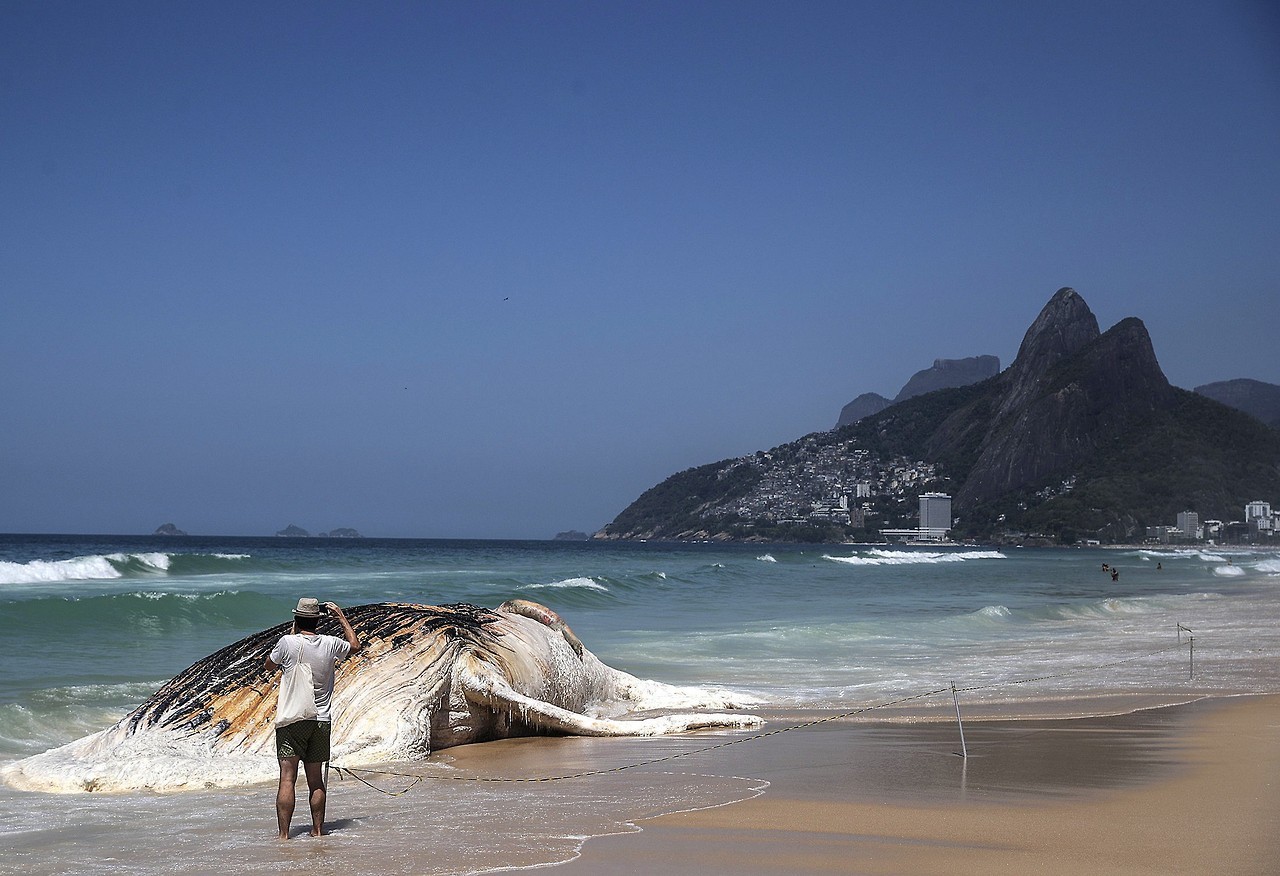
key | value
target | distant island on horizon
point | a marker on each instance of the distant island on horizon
(289, 531)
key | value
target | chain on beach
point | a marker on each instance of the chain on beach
(952, 689)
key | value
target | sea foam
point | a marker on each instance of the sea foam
(879, 557)
(581, 583)
(90, 568)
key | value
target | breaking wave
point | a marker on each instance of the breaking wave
(92, 568)
(581, 583)
(879, 557)
(110, 567)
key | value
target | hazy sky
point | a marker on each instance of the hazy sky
(492, 270)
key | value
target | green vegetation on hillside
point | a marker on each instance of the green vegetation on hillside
(673, 506)
(1198, 456)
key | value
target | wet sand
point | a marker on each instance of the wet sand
(1186, 789)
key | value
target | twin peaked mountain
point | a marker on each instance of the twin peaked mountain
(1081, 437)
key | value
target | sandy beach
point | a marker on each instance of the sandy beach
(1186, 789)
(1181, 789)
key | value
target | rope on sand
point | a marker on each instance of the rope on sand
(950, 688)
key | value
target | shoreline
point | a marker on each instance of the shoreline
(1189, 788)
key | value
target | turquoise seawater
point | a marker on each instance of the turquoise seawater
(93, 625)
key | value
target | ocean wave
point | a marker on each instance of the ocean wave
(110, 567)
(581, 583)
(1110, 608)
(1106, 608)
(55, 716)
(879, 557)
(1147, 553)
(96, 568)
(159, 595)
(230, 610)
(1228, 571)
(767, 558)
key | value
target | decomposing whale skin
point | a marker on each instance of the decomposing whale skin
(428, 677)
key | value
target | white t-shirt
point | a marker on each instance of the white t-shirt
(323, 654)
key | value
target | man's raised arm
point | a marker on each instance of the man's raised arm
(352, 639)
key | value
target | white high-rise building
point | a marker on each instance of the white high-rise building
(1189, 524)
(1258, 515)
(935, 515)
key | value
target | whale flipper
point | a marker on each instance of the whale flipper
(486, 686)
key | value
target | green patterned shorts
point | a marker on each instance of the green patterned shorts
(307, 740)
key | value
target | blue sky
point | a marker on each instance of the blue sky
(494, 269)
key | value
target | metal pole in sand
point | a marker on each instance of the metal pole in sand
(1191, 657)
(964, 750)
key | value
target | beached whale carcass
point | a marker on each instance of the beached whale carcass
(428, 677)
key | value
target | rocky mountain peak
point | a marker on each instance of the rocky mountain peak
(949, 373)
(1058, 413)
(1065, 326)
(1255, 398)
(944, 374)
(863, 406)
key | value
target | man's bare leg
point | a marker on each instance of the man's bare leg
(286, 792)
(316, 795)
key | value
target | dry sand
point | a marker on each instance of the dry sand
(1187, 789)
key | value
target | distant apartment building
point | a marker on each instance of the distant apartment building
(1189, 525)
(935, 515)
(1257, 515)
(935, 521)
(833, 507)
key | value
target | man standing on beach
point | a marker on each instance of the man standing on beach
(306, 740)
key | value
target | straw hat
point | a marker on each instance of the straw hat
(307, 607)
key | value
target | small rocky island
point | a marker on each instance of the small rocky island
(292, 531)
(168, 529)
